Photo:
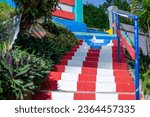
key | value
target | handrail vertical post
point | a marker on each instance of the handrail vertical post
(113, 20)
(136, 41)
(118, 28)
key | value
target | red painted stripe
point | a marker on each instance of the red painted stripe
(84, 96)
(115, 43)
(60, 68)
(87, 77)
(55, 75)
(88, 58)
(67, 57)
(126, 97)
(121, 66)
(123, 79)
(125, 87)
(93, 50)
(70, 53)
(42, 96)
(68, 2)
(121, 73)
(49, 84)
(129, 48)
(64, 14)
(115, 49)
(92, 64)
(63, 62)
(86, 86)
(86, 70)
(91, 54)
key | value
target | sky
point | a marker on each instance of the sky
(95, 2)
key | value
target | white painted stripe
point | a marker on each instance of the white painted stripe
(65, 7)
(75, 63)
(110, 44)
(62, 96)
(72, 86)
(82, 54)
(67, 85)
(105, 87)
(69, 77)
(106, 96)
(108, 72)
(81, 58)
(74, 70)
(105, 65)
(77, 70)
(99, 78)
(105, 79)
(70, 96)
(105, 59)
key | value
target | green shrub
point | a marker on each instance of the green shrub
(145, 72)
(20, 72)
(5, 12)
(34, 9)
(51, 47)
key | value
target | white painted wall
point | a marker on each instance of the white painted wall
(65, 7)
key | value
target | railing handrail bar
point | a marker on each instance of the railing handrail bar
(125, 14)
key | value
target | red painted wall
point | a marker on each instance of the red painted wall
(69, 2)
(64, 14)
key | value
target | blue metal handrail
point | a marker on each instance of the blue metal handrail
(116, 16)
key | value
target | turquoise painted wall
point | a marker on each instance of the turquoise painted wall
(78, 10)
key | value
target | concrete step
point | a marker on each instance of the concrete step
(88, 70)
(55, 76)
(88, 86)
(82, 96)
(91, 58)
(93, 64)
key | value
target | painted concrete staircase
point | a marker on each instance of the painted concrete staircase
(88, 74)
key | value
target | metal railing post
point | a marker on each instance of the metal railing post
(136, 41)
(113, 20)
(118, 28)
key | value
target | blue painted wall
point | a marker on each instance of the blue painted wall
(71, 25)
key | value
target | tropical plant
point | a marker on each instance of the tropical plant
(20, 72)
(34, 9)
(5, 12)
(145, 72)
(53, 46)
(141, 7)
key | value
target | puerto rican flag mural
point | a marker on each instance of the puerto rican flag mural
(70, 9)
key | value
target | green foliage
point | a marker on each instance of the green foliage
(145, 73)
(95, 17)
(5, 12)
(141, 7)
(51, 47)
(121, 4)
(34, 9)
(20, 72)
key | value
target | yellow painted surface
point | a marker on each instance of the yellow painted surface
(110, 31)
